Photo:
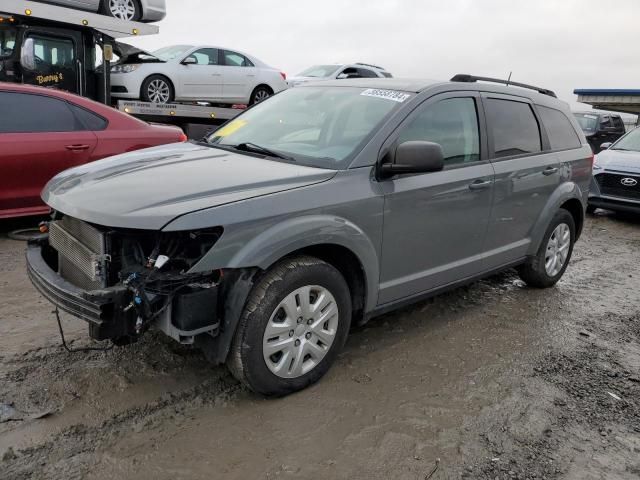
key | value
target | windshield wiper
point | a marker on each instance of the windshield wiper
(254, 148)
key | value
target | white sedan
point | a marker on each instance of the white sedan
(186, 73)
(137, 10)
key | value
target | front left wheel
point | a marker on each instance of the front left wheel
(294, 324)
(122, 9)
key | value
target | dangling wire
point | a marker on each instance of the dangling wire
(56, 312)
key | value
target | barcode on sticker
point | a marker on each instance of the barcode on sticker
(387, 94)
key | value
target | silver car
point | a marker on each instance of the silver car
(135, 10)
(322, 206)
(616, 175)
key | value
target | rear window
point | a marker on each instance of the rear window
(36, 112)
(561, 134)
(514, 127)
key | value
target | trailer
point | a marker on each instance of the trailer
(73, 50)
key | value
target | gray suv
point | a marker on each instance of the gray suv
(323, 206)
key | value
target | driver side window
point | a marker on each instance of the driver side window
(206, 56)
(451, 123)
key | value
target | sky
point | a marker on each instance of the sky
(560, 45)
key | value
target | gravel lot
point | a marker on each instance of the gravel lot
(494, 380)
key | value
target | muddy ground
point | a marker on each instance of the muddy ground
(491, 381)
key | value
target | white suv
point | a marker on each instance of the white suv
(186, 73)
(338, 72)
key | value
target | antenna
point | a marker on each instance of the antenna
(509, 79)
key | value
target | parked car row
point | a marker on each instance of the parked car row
(188, 73)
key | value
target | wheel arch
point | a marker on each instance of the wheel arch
(568, 196)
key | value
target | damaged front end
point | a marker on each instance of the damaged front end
(123, 282)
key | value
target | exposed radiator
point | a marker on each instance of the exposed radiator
(81, 253)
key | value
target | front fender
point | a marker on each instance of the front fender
(265, 247)
(565, 192)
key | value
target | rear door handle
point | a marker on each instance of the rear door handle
(549, 170)
(77, 148)
(480, 185)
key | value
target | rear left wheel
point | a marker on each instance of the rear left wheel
(122, 9)
(260, 93)
(294, 324)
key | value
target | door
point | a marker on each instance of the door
(52, 60)
(202, 79)
(239, 77)
(526, 174)
(43, 140)
(435, 223)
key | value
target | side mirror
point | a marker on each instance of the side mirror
(190, 61)
(415, 157)
(27, 55)
(605, 145)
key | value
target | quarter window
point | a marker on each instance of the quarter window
(452, 123)
(561, 134)
(37, 114)
(90, 120)
(514, 127)
(233, 59)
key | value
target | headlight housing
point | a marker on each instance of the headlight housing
(127, 68)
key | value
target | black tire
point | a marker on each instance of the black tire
(260, 93)
(145, 93)
(533, 271)
(106, 10)
(246, 360)
(591, 209)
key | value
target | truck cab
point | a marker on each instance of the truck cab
(58, 47)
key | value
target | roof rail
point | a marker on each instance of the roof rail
(463, 77)
(369, 65)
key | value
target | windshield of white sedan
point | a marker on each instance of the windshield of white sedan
(631, 142)
(169, 53)
(319, 71)
(317, 126)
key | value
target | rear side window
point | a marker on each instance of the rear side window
(233, 59)
(618, 123)
(366, 73)
(514, 127)
(36, 113)
(452, 123)
(561, 134)
(89, 119)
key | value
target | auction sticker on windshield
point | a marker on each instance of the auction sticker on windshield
(230, 128)
(386, 94)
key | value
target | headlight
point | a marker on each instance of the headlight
(124, 68)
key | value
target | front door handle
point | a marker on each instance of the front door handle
(77, 148)
(480, 185)
(550, 170)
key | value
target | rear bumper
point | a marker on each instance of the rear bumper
(95, 307)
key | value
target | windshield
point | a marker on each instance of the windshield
(317, 126)
(169, 53)
(631, 141)
(7, 41)
(587, 121)
(319, 71)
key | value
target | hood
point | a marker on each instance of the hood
(293, 81)
(149, 188)
(621, 160)
(130, 54)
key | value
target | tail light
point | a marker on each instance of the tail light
(283, 75)
(183, 138)
(593, 160)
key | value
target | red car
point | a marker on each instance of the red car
(45, 131)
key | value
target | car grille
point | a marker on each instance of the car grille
(81, 252)
(611, 184)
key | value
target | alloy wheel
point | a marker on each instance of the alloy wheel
(300, 331)
(261, 95)
(557, 249)
(158, 91)
(123, 9)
